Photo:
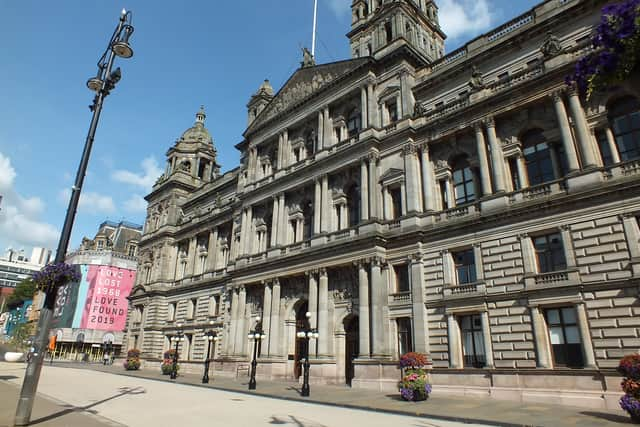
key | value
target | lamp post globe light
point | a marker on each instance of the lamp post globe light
(256, 335)
(307, 335)
(209, 337)
(104, 81)
(179, 336)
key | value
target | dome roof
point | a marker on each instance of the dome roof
(197, 132)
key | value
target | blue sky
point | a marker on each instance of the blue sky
(214, 53)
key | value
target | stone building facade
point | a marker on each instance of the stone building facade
(470, 206)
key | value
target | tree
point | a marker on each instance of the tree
(24, 291)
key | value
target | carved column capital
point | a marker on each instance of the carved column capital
(409, 148)
(322, 271)
(477, 126)
(373, 155)
(490, 122)
(415, 258)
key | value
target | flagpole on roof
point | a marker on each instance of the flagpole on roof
(313, 37)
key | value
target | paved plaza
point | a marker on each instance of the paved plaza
(95, 395)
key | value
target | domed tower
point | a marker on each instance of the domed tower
(194, 153)
(381, 27)
(259, 100)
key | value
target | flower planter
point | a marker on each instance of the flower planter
(629, 367)
(415, 385)
(13, 356)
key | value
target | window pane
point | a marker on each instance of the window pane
(572, 334)
(553, 317)
(479, 341)
(467, 346)
(635, 120)
(569, 316)
(555, 333)
(465, 322)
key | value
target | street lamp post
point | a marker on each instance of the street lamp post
(102, 84)
(307, 335)
(209, 337)
(256, 336)
(174, 366)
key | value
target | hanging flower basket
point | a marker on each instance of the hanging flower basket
(629, 367)
(415, 385)
(616, 54)
(53, 276)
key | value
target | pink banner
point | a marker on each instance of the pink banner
(106, 303)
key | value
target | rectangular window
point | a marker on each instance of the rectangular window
(515, 178)
(392, 108)
(472, 341)
(171, 312)
(402, 278)
(405, 336)
(549, 253)
(396, 202)
(564, 336)
(191, 309)
(444, 197)
(465, 266)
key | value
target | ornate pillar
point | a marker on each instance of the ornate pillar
(373, 117)
(413, 196)
(613, 147)
(274, 222)
(364, 107)
(497, 157)
(282, 221)
(240, 322)
(528, 255)
(274, 336)
(522, 176)
(320, 131)
(587, 345)
(543, 359)
(587, 149)
(419, 311)
(313, 308)
(453, 337)
(317, 206)
(364, 191)
(486, 337)
(266, 315)
(191, 259)
(363, 310)
(323, 314)
(428, 179)
(280, 152)
(374, 212)
(565, 132)
(249, 238)
(482, 158)
(212, 249)
(328, 129)
(377, 323)
(325, 205)
(233, 326)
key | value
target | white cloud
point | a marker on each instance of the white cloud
(136, 203)
(464, 17)
(145, 179)
(90, 202)
(19, 216)
(340, 7)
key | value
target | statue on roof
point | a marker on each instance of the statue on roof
(307, 58)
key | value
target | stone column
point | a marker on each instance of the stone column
(528, 256)
(386, 203)
(320, 131)
(448, 188)
(249, 238)
(317, 206)
(274, 336)
(413, 196)
(231, 342)
(328, 129)
(373, 117)
(213, 249)
(428, 179)
(323, 314)
(377, 324)
(313, 308)
(364, 191)
(364, 107)
(280, 153)
(241, 337)
(287, 148)
(282, 221)
(243, 231)
(482, 158)
(613, 147)
(581, 128)
(567, 242)
(363, 310)
(497, 157)
(486, 337)
(274, 222)
(543, 359)
(632, 234)
(587, 345)
(453, 337)
(420, 321)
(374, 212)
(266, 317)
(565, 133)
(191, 259)
(522, 176)
(324, 224)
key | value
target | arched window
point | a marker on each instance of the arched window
(354, 122)
(463, 186)
(624, 117)
(538, 157)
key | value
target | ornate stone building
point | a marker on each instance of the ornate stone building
(468, 205)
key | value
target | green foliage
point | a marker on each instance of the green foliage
(20, 335)
(24, 291)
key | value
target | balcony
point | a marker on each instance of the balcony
(400, 298)
(465, 290)
(552, 279)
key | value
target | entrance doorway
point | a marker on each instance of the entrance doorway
(352, 347)
(302, 345)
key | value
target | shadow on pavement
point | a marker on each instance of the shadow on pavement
(87, 408)
(609, 417)
(294, 421)
(7, 377)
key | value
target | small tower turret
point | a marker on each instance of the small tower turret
(259, 101)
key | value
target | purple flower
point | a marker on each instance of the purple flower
(406, 393)
(631, 405)
(428, 388)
